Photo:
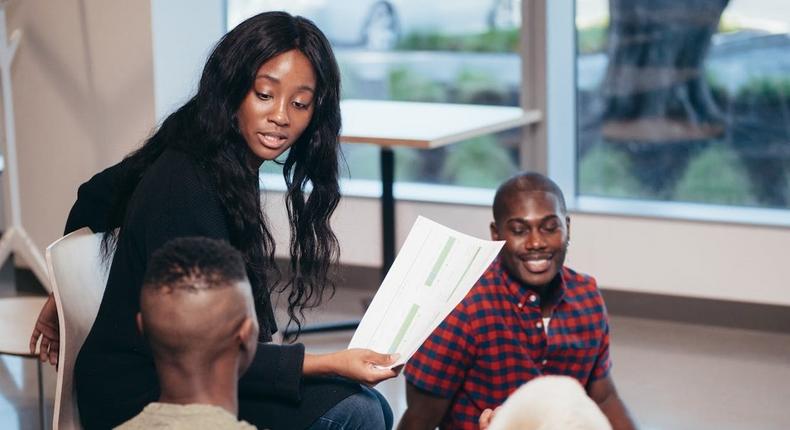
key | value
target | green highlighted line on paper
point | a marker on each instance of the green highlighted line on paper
(440, 260)
(403, 328)
(458, 284)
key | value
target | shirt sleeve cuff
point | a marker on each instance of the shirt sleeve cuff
(428, 388)
(276, 371)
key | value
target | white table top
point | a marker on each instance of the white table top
(425, 125)
(18, 315)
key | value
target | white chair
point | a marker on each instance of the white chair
(78, 276)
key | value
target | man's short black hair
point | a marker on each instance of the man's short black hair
(524, 183)
(194, 262)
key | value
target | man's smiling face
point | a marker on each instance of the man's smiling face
(536, 232)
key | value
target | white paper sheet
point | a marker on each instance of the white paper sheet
(432, 273)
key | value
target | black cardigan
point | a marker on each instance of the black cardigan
(114, 373)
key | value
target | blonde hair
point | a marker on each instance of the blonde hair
(550, 403)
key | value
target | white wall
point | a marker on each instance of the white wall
(83, 83)
(83, 97)
(705, 260)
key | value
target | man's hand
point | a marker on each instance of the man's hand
(486, 417)
(46, 328)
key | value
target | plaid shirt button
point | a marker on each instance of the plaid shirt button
(532, 298)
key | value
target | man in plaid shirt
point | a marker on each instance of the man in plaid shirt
(527, 316)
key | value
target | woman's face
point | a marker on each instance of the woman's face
(279, 105)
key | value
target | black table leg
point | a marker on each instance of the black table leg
(387, 210)
(41, 395)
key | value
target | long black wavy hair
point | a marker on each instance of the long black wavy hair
(206, 128)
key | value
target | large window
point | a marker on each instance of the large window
(684, 101)
(675, 101)
(454, 51)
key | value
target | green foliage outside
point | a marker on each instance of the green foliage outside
(360, 162)
(348, 85)
(472, 86)
(406, 85)
(592, 38)
(479, 162)
(605, 171)
(717, 88)
(363, 162)
(488, 41)
(765, 90)
(758, 90)
(715, 176)
(727, 25)
(469, 86)
(407, 161)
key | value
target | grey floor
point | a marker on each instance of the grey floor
(671, 375)
(19, 407)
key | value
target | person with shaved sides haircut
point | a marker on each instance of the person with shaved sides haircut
(198, 315)
(527, 316)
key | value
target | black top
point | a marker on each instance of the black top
(114, 373)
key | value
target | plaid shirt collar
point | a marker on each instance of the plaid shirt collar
(524, 292)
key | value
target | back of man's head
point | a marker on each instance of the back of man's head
(196, 305)
(549, 403)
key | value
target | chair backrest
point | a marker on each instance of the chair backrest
(78, 277)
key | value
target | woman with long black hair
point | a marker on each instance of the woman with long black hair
(270, 85)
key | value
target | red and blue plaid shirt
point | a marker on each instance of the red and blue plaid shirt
(494, 341)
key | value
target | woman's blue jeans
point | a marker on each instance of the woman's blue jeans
(367, 410)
